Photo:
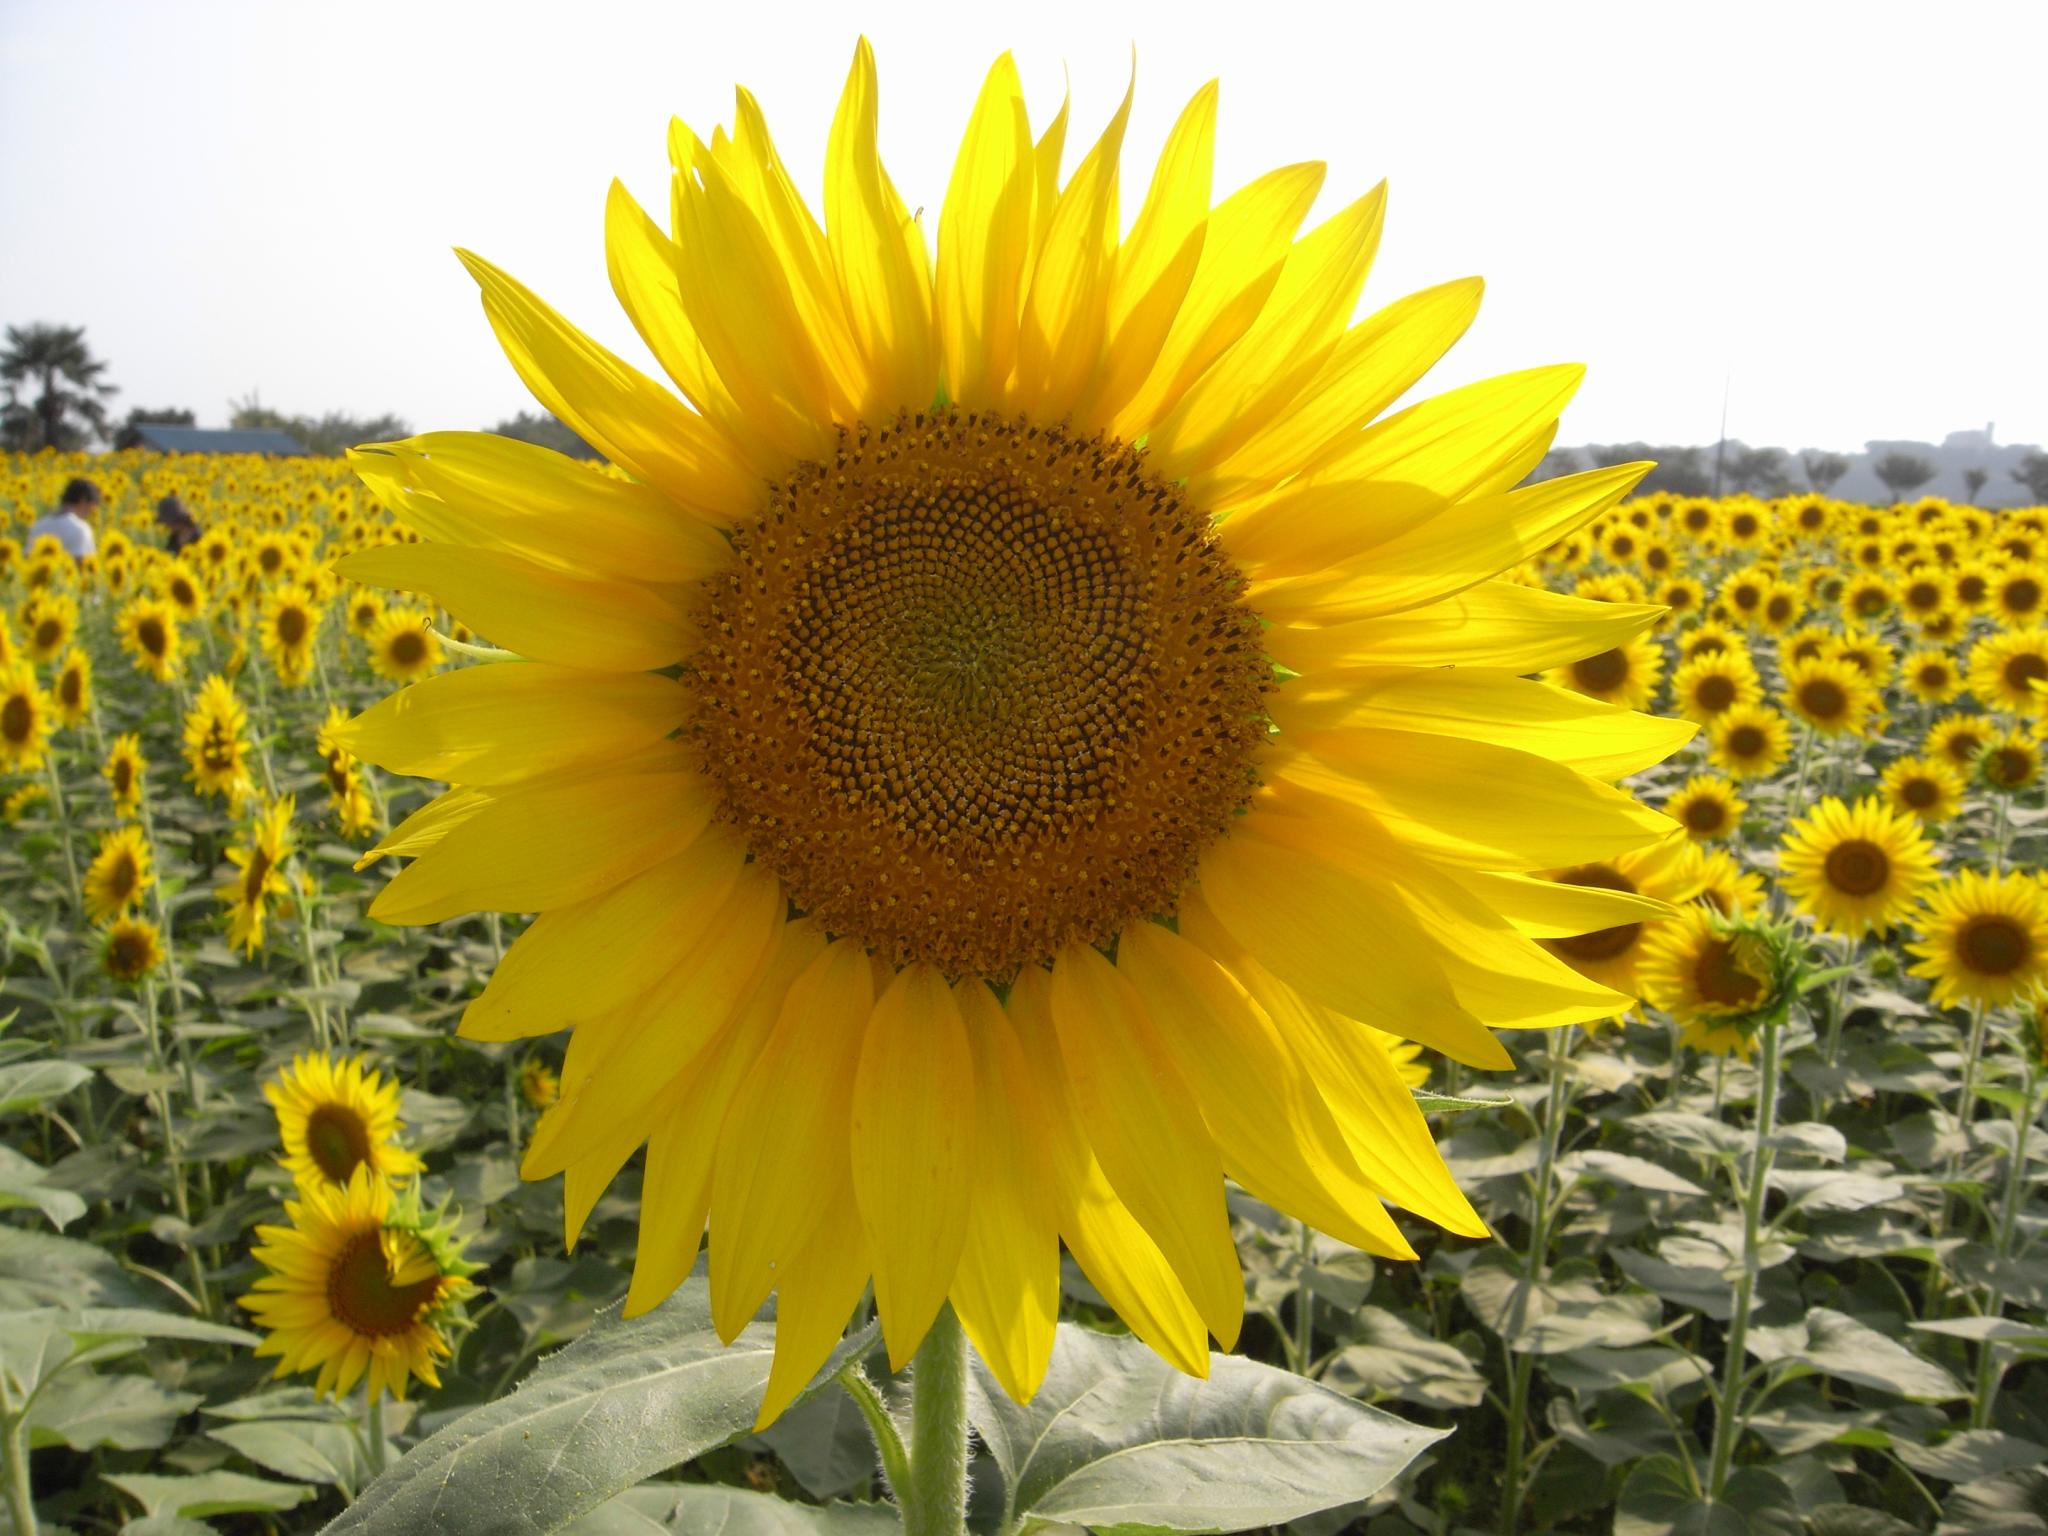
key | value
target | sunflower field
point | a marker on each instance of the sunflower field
(1771, 1238)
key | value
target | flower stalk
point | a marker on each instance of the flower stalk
(933, 1498)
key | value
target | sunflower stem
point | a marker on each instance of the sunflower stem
(882, 1425)
(380, 1455)
(933, 1498)
(21, 1504)
(1972, 1053)
(1522, 1363)
(1988, 1369)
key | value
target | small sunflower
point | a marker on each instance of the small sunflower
(2009, 762)
(1744, 526)
(539, 1086)
(1855, 869)
(2004, 669)
(1749, 741)
(289, 630)
(71, 694)
(1925, 594)
(1931, 676)
(216, 744)
(1974, 586)
(1867, 597)
(1830, 695)
(1983, 939)
(1624, 674)
(403, 645)
(335, 1116)
(361, 1284)
(124, 770)
(1710, 685)
(118, 875)
(1868, 655)
(1708, 808)
(2019, 594)
(1713, 979)
(20, 801)
(1728, 888)
(1805, 643)
(131, 949)
(365, 608)
(49, 620)
(149, 633)
(1684, 596)
(261, 874)
(1959, 739)
(1658, 878)
(1929, 789)
(25, 719)
(183, 590)
(1782, 606)
(1709, 638)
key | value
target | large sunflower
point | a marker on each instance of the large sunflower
(1711, 978)
(335, 1116)
(2005, 667)
(971, 618)
(1983, 938)
(1855, 868)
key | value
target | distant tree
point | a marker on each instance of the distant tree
(1679, 471)
(336, 432)
(145, 416)
(1823, 469)
(67, 405)
(550, 431)
(2033, 474)
(1760, 471)
(1973, 482)
(1903, 473)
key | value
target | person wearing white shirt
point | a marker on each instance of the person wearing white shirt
(71, 524)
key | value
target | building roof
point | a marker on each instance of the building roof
(163, 439)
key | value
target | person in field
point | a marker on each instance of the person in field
(71, 524)
(176, 520)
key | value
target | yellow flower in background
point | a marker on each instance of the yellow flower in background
(131, 949)
(260, 874)
(1710, 978)
(25, 719)
(1728, 888)
(2009, 762)
(1707, 807)
(1654, 881)
(1749, 741)
(335, 1115)
(361, 1286)
(71, 694)
(1983, 939)
(2005, 669)
(290, 629)
(1624, 675)
(21, 801)
(403, 646)
(1855, 869)
(1707, 686)
(1709, 638)
(1783, 604)
(982, 689)
(181, 588)
(1931, 676)
(539, 1086)
(49, 620)
(2019, 594)
(1869, 656)
(118, 875)
(1830, 695)
(1929, 789)
(216, 742)
(1958, 739)
(365, 608)
(149, 634)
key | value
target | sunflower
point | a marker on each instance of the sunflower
(20, 801)
(1926, 788)
(2009, 762)
(182, 590)
(261, 874)
(291, 626)
(1983, 939)
(1782, 607)
(49, 620)
(1868, 655)
(365, 608)
(1744, 526)
(1707, 807)
(403, 645)
(1697, 518)
(1855, 869)
(131, 949)
(1683, 596)
(1810, 517)
(1958, 739)
(1743, 595)
(1656, 880)
(1713, 979)
(118, 875)
(362, 1283)
(1931, 676)
(25, 719)
(1727, 887)
(335, 1116)
(71, 696)
(1805, 643)
(1867, 597)
(2005, 667)
(1830, 695)
(1625, 675)
(1749, 741)
(1710, 685)
(346, 796)
(1925, 594)
(216, 746)
(1974, 586)
(1707, 639)
(539, 1086)
(2019, 594)
(890, 719)
(149, 634)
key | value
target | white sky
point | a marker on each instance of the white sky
(1836, 209)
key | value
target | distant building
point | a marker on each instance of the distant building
(162, 439)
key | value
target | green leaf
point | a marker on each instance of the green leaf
(1834, 1189)
(208, 1493)
(1451, 1103)
(1838, 1345)
(700, 1510)
(825, 1445)
(1117, 1439)
(1971, 1455)
(32, 1084)
(1634, 1172)
(304, 1449)
(85, 1410)
(1398, 1361)
(25, 1182)
(625, 1401)
(1658, 1500)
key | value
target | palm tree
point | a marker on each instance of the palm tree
(68, 405)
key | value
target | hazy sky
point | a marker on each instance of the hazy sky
(1834, 210)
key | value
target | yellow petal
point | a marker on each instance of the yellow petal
(605, 625)
(1551, 909)
(913, 1151)
(814, 1301)
(1493, 624)
(428, 825)
(1275, 1133)
(789, 1124)
(613, 406)
(986, 234)
(1113, 1251)
(537, 847)
(501, 723)
(1007, 1288)
(1142, 1121)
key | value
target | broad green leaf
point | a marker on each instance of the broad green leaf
(1659, 1500)
(208, 1493)
(1118, 1439)
(304, 1449)
(825, 1445)
(2005, 1330)
(625, 1401)
(702, 1510)
(1971, 1455)
(25, 1182)
(85, 1410)
(1396, 1360)
(1635, 1172)
(1812, 1138)
(1451, 1103)
(32, 1084)
(1838, 1345)
(1834, 1189)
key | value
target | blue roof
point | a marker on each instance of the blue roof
(164, 439)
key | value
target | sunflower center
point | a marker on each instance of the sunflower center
(361, 1295)
(1964, 746)
(129, 953)
(2010, 767)
(1858, 867)
(1994, 945)
(336, 1140)
(1602, 673)
(1706, 814)
(1933, 676)
(1778, 610)
(1746, 741)
(254, 876)
(17, 717)
(71, 689)
(49, 633)
(2025, 669)
(1971, 589)
(2023, 595)
(149, 634)
(122, 877)
(408, 648)
(978, 688)
(1920, 793)
(1720, 979)
(291, 626)
(1715, 692)
(1823, 698)
(1605, 943)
